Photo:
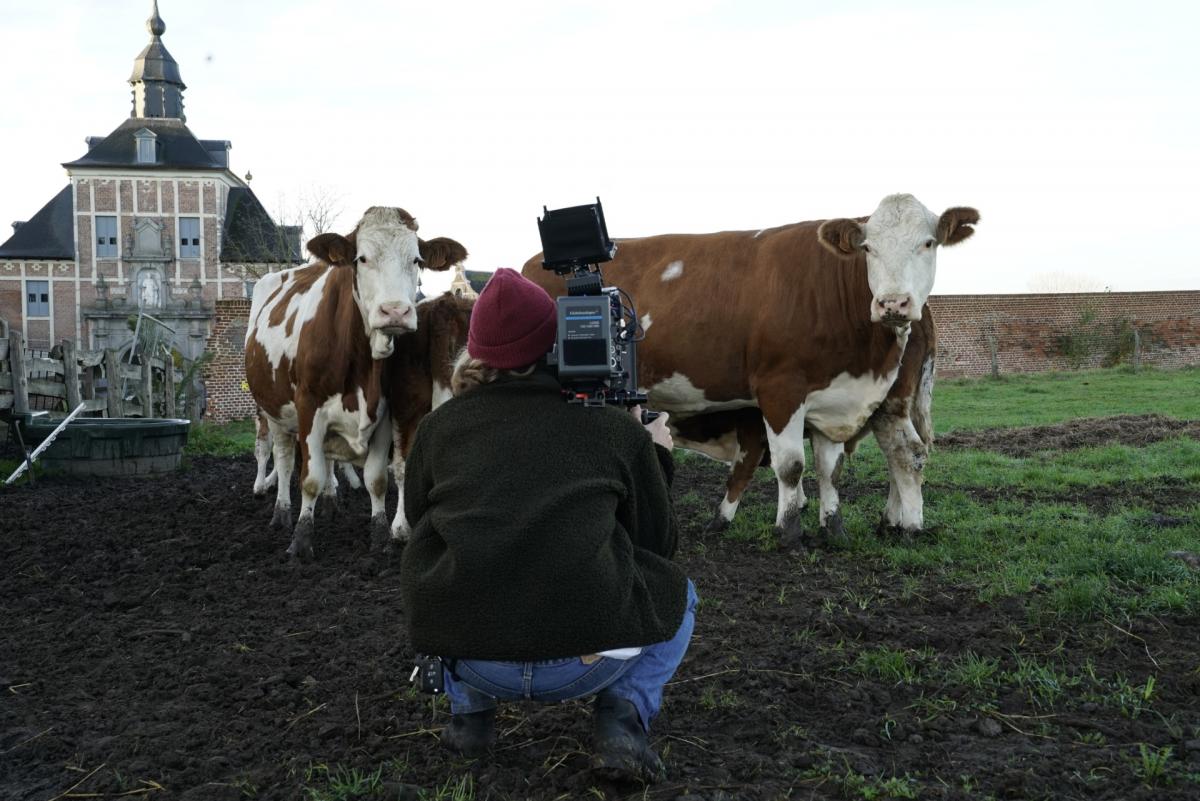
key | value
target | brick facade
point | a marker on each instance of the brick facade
(1038, 333)
(225, 376)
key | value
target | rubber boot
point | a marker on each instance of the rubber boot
(622, 752)
(471, 734)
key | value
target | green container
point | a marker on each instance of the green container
(110, 446)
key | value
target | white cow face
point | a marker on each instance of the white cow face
(900, 242)
(387, 256)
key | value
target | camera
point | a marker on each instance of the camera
(595, 350)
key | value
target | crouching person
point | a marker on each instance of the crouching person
(539, 565)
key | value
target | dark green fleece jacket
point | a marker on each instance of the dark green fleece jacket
(541, 529)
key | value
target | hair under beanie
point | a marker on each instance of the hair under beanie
(514, 322)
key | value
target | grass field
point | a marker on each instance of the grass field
(1041, 398)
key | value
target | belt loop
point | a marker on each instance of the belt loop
(527, 681)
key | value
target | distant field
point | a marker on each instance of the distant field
(1040, 398)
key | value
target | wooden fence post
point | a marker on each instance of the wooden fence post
(147, 386)
(71, 374)
(168, 387)
(16, 357)
(112, 370)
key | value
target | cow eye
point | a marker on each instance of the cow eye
(928, 243)
(866, 248)
(419, 261)
(362, 259)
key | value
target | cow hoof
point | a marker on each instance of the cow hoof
(791, 534)
(718, 525)
(380, 534)
(791, 541)
(894, 533)
(282, 519)
(302, 539)
(833, 533)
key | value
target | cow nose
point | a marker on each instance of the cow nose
(893, 306)
(398, 315)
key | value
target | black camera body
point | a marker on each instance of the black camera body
(595, 351)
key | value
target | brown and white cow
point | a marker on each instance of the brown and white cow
(315, 349)
(803, 328)
(416, 379)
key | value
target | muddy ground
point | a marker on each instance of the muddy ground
(156, 644)
(1127, 429)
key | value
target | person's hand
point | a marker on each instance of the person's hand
(659, 432)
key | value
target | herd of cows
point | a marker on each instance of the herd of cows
(754, 340)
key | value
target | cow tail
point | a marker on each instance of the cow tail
(922, 412)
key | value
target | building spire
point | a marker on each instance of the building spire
(157, 86)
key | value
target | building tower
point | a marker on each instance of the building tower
(157, 85)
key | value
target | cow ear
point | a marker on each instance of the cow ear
(332, 248)
(441, 253)
(843, 238)
(955, 225)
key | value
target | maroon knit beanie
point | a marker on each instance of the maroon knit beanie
(514, 322)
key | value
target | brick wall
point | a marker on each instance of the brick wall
(225, 375)
(1037, 333)
(1032, 333)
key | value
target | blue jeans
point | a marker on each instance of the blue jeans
(480, 683)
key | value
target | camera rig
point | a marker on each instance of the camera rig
(595, 351)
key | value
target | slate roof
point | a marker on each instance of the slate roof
(49, 234)
(251, 236)
(176, 147)
(477, 279)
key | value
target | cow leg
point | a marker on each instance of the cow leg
(400, 527)
(329, 494)
(751, 445)
(375, 477)
(787, 457)
(906, 454)
(283, 446)
(352, 480)
(313, 470)
(262, 454)
(828, 456)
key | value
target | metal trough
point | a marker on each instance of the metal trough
(109, 446)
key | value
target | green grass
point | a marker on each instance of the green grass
(226, 439)
(1079, 533)
(1044, 398)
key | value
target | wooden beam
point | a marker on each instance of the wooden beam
(169, 390)
(71, 374)
(147, 392)
(16, 357)
(112, 372)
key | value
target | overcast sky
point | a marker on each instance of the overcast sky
(1074, 127)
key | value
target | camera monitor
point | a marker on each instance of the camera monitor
(574, 237)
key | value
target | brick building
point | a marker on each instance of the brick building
(152, 220)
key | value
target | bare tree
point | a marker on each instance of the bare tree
(261, 244)
(1058, 282)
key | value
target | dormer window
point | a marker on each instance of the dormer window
(146, 151)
